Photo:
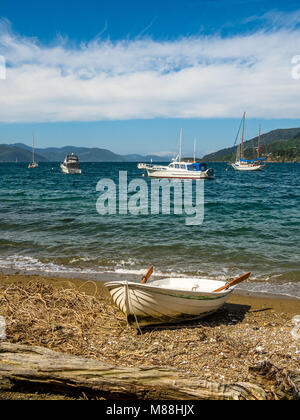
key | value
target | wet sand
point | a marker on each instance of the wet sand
(82, 320)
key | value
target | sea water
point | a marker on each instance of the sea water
(49, 225)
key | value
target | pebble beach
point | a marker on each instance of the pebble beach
(77, 317)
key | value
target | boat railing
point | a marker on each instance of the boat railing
(150, 166)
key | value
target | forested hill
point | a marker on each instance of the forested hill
(277, 145)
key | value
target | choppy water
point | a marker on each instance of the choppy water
(49, 223)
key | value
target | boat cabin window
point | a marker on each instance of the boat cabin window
(172, 165)
(182, 166)
(73, 165)
(177, 166)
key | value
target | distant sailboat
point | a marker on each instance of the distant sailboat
(242, 164)
(33, 164)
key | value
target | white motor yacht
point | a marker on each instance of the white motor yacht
(71, 165)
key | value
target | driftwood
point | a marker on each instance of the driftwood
(41, 368)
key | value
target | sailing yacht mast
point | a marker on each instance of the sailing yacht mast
(32, 148)
(33, 164)
(242, 144)
(258, 140)
(194, 149)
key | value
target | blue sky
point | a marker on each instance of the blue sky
(128, 75)
(167, 19)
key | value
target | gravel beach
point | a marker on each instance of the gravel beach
(78, 317)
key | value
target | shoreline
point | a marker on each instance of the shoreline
(82, 278)
(76, 316)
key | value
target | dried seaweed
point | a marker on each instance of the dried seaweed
(221, 347)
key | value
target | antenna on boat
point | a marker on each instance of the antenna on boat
(180, 145)
(195, 149)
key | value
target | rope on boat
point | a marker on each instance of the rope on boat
(127, 297)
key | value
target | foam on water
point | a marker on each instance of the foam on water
(29, 265)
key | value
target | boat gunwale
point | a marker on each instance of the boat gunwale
(183, 293)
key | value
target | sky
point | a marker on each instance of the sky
(128, 75)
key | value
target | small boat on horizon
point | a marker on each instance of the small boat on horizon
(179, 168)
(242, 164)
(170, 300)
(33, 164)
(71, 165)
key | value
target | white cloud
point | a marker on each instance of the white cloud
(278, 19)
(143, 78)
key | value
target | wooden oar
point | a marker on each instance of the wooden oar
(147, 275)
(235, 281)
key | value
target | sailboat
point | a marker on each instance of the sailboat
(242, 164)
(33, 164)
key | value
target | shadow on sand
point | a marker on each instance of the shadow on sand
(229, 314)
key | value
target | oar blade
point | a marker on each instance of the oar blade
(233, 282)
(147, 275)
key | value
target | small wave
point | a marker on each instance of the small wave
(258, 283)
(284, 289)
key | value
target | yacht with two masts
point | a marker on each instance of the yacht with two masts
(242, 164)
(179, 168)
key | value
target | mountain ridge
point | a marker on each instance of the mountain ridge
(23, 153)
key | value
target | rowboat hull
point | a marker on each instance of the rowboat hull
(168, 300)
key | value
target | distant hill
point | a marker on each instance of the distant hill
(23, 153)
(10, 153)
(57, 154)
(147, 158)
(250, 146)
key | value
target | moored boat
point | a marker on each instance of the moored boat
(179, 168)
(33, 164)
(171, 299)
(242, 164)
(71, 165)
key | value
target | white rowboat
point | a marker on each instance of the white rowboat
(168, 300)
